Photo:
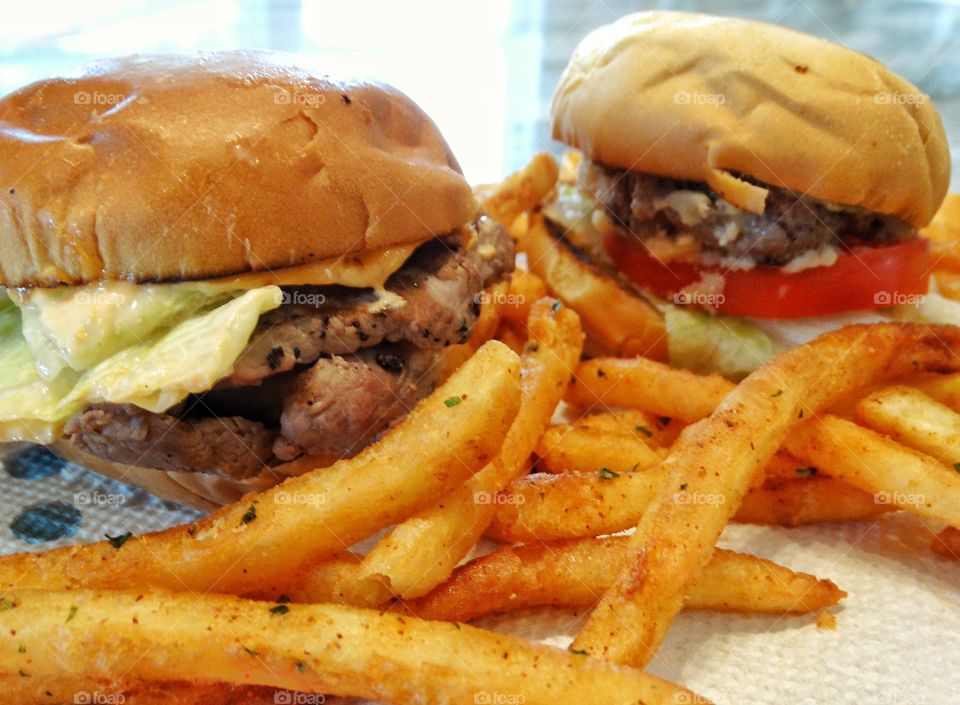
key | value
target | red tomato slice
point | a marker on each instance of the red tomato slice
(862, 279)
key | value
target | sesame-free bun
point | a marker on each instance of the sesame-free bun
(701, 98)
(159, 167)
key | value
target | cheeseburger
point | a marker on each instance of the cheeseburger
(226, 263)
(755, 185)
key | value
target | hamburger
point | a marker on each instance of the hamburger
(748, 185)
(222, 269)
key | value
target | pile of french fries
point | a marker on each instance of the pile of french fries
(605, 482)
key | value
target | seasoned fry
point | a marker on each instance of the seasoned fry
(252, 545)
(660, 431)
(526, 288)
(522, 191)
(947, 543)
(423, 551)
(647, 385)
(569, 448)
(796, 502)
(894, 475)
(312, 648)
(944, 235)
(509, 335)
(625, 325)
(44, 691)
(944, 388)
(577, 573)
(914, 419)
(711, 466)
(547, 507)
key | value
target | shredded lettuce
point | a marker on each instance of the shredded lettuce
(79, 327)
(704, 342)
(188, 357)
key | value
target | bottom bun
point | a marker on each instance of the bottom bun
(206, 491)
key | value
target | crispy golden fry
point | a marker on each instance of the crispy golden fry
(423, 551)
(45, 691)
(312, 648)
(944, 235)
(944, 388)
(713, 463)
(914, 419)
(660, 431)
(547, 507)
(512, 337)
(568, 448)
(947, 543)
(876, 464)
(491, 315)
(647, 385)
(796, 502)
(253, 545)
(577, 573)
(526, 288)
(522, 191)
(621, 324)
(948, 283)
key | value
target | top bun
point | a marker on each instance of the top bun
(170, 167)
(701, 98)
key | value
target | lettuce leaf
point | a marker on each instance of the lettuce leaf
(704, 342)
(189, 358)
(79, 327)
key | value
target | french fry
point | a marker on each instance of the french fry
(36, 691)
(713, 463)
(647, 385)
(914, 419)
(943, 232)
(520, 192)
(947, 544)
(253, 545)
(894, 475)
(624, 324)
(423, 551)
(158, 635)
(526, 288)
(813, 500)
(577, 573)
(944, 388)
(568, 448)
(660, 431)
(509, 335)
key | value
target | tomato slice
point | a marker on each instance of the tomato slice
(861, 279)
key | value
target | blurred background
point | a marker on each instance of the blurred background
(484, 70)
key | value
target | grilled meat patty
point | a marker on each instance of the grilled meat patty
(791, 225)
(321, 380)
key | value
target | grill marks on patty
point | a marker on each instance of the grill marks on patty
(323, 380)
(791, 225)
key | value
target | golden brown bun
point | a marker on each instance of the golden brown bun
(701, 98)
(165, 167)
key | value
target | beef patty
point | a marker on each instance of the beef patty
(792, 224)
(323, 378)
